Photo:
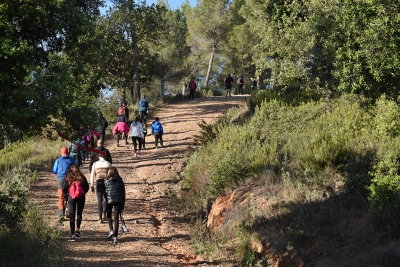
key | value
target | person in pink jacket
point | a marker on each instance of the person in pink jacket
(119, 128)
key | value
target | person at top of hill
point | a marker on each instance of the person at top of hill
(143, 108)
(136, 133)
(228, 85)
(192, 88)
(61, 166)
(158, 131)
(75, 204)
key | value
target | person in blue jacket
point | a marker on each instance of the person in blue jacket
(61, 166)
(143, 108)
(158, 131)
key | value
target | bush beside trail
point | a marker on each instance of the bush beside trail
(318, 171)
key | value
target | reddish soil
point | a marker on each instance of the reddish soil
(158, 234)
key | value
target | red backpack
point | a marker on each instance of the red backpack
(76, 190)
(121, 110)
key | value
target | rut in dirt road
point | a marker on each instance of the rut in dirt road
(158, 235)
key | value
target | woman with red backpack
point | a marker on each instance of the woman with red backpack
(74, 190)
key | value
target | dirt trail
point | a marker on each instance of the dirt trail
(158, 234)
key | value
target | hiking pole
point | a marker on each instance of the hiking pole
(123, 226)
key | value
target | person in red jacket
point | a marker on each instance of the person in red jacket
(121, 128)
(192, 88)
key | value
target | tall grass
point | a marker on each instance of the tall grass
(25, 238)
(31, 152)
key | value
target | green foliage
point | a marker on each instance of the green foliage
(32, 151)
(25, 238)
(301, 154)
(32, 79)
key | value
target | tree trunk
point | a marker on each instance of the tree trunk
(210, 63)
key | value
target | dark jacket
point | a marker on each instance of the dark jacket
(122, 118)
(228, 82)
(95, 156)
(103, 124)
(115, 191)
(65, 189)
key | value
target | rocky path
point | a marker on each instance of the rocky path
(158, 234)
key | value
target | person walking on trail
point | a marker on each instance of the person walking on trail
(61, 166)
(115, 198)
(240, 85)
(76, 198)
(158, 131)
(102, 126)
(144, 125)
(192, 88)
(95, 156)
(121, 117)
(228, 85)
(136, 133)
(123, 109)
(143, 108)
(121, 128)
(75, 152)
(97, 175)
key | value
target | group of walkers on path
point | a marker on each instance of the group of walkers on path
(229, 82)
(73, 186)
(104, 180)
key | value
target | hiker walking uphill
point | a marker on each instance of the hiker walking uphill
(97, 175)
(102, 126)
(143, 108)
(121, 128)
(136, 133)
(75, 152)
(61, 166)
(158, 131)
(74, 190)
(115, 198)
(123, 109)
(192, 88)
(228, 85)
(95, 156)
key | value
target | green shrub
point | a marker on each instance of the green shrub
(25, 239)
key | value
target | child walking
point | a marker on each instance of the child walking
(76, 202)
(158, 131)
(115, 197)
(144, 135)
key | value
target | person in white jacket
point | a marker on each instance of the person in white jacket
(97, 175)
(136, 132)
